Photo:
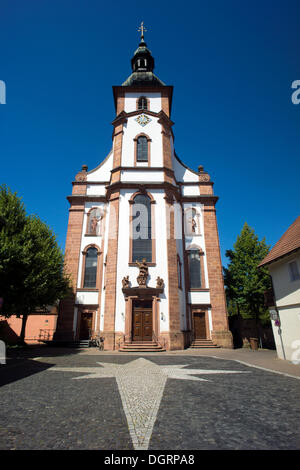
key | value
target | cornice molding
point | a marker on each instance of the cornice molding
(82, 198)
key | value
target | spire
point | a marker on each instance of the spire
(142, 64)
(142, 59)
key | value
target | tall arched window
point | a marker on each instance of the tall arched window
(90, 270)
(141, 229)
(142, 102)
(194, 265)
(142, 149)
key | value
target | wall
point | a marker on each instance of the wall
(287, 292)
(37, 327)
(287, 296)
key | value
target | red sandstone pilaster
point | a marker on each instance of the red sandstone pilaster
(220, 334)
(72, 255)
(111, 273)
(175, 338)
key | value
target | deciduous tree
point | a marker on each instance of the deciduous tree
(31, 263)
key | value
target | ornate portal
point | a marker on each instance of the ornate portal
(142, 289)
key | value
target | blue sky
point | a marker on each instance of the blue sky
(231, 62)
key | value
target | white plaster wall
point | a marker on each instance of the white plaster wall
(290, 333)
(152, 130)
(199, 297)
(106, 238)
(182, 173)
(142, 176)
(190, 190)
(130, 101)
(95, 190)
(287, 292)
(102, 172)
(287, 296)
(87, 298)
(123, 257)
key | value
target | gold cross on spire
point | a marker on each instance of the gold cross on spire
(142, 29)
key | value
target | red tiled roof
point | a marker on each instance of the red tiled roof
(289, 242)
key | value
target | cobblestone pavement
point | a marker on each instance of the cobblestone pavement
(94, 401)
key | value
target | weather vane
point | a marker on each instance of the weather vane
(142, 29)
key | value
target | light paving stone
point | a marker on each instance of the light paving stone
(141, 385)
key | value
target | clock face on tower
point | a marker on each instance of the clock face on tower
(143, 120)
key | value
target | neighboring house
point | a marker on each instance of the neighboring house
(40, 326)
(283, 262)
(131, 208)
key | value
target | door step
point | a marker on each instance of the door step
(203, 343)
(141, 346)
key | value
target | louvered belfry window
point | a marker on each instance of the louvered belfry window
(142, 149)
(142, 229)
(142, 103)
(90, 272)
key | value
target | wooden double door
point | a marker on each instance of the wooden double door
(142, 320)
(199, 325)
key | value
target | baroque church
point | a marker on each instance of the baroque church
(142, 244)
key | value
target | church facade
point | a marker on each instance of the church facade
(142, 245)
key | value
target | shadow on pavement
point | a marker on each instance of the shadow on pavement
(21, 370)
(20, 362)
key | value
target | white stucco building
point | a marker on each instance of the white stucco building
(143, 203)
(283, 262)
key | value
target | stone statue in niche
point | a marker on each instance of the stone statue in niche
(159, 282)
(194, 225)
(143, 274)
(192, 222)
(125, 282)
(95, 222)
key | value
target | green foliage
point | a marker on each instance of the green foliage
(31, 262)
(246, 283)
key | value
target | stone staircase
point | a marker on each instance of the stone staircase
(203, 343)
(141, 346)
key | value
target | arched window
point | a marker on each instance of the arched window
(142, 103)
(90, 270)
(141, 229)
(194, 264)
(142, 149)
